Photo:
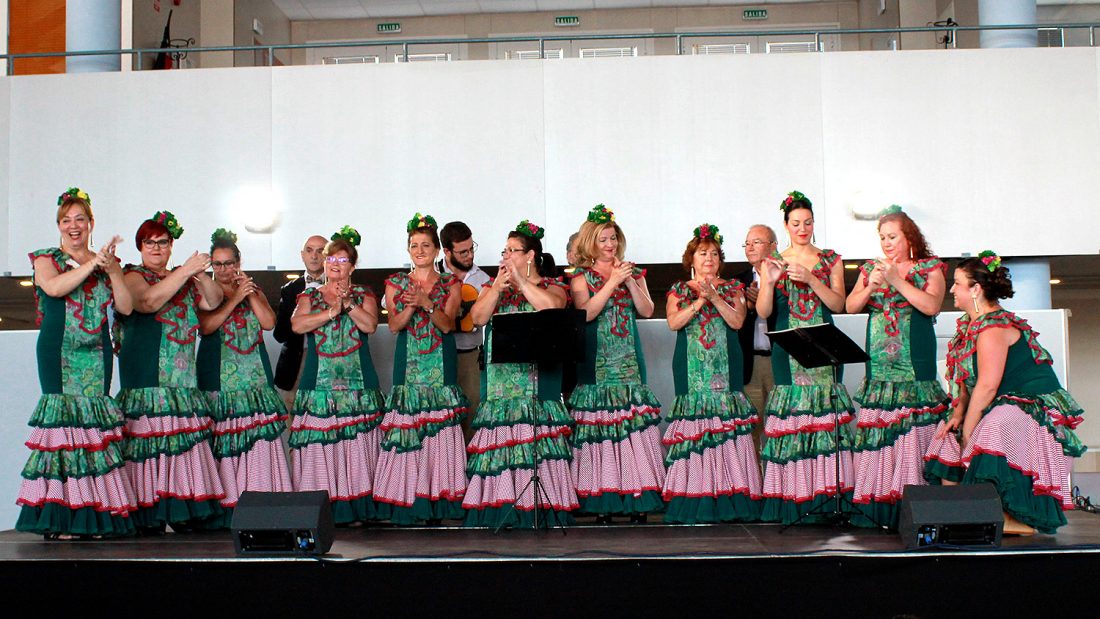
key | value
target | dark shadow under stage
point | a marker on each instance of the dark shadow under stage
(611, 570)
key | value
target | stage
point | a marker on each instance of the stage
(613, 570)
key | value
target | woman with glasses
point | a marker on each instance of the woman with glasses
(334, 434)
(235, 372)
(167, 417)
(73, 483)
(522, 425)
(422, 469)
(618, 466)
(804, 286)
(900, 400)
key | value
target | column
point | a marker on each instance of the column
(993, 12)
(91, 25)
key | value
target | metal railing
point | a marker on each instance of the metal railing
(138, 54)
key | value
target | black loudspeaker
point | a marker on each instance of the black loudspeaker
(969, 515)
(282, 523)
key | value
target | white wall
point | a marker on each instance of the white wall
(664, 141)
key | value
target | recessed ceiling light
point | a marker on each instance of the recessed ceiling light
(26, 283)
(293, 276)
(1055, 281)
(851, 266)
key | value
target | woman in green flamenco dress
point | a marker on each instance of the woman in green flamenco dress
(522, 424)
(168, 423)
(1014, 421)
(74, 484)
(334, 435)
(618, 466)
(421, 475)
(713, 473)
(234, 371)
(900, 400)
(804, 286)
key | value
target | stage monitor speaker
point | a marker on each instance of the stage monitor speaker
(967, 515)
(282, 524)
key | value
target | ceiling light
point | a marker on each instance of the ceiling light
(1055, 280)
(293, 276)
(26, 283)
(851, 266)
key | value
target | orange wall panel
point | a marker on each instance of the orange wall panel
(36, 26)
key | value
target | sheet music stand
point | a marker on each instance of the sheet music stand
(547, 337)
(814, 347)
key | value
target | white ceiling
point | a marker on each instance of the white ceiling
(301, 10)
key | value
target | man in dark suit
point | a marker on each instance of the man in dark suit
(289, 365)
(760, 242)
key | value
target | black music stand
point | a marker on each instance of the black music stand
(814, 347)
(547, 338)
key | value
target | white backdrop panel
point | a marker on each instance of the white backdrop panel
(671, 142)
(5, 162)
(972, 144)
(369, 145)
(184, 141)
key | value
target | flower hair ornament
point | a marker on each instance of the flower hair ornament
(421, 221)
(74, 192)
(222, 234)
(708, 232)
(792, 197)
(169, 221)
(351, 235)
(990, 259)
(600, 214)
(531, 230)
(893, 209)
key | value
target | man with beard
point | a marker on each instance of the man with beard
(289, 366)
(458, 258)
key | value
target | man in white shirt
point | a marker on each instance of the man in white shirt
(458, 258)
(756, 348)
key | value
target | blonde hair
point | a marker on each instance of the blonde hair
(587, 248)
(71, 202)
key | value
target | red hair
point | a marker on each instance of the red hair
(918, 247)
(147, 230)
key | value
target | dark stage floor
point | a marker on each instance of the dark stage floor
(617, 570)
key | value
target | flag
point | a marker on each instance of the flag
(164, 58)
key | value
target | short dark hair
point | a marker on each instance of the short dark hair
(454, 232)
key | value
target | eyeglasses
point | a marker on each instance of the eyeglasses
(337, 260)
(224, 265)
(508, 251)
(161, 243)
(755, 243)
(466, 252)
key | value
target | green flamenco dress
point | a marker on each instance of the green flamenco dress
(168, 423)
(900, 399)
(799, 452)
(74, 482)
(713, 473)
(422, 469)
(335, 433)
(1025, 442)
(249, 416)
(521, 426)
(618, 467)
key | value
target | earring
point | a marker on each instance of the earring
(528, 268)
(974, 298)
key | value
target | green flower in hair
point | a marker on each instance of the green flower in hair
(708, 232)
(792, 197)
(222, 234)
(421, 221)
(74, 192)
(529, 229)
(169, 221)
(890, 210)
(349, 234)
(990, 259)
(600, 214)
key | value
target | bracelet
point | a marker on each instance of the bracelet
(331, 316)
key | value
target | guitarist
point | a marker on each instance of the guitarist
(458, 258)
